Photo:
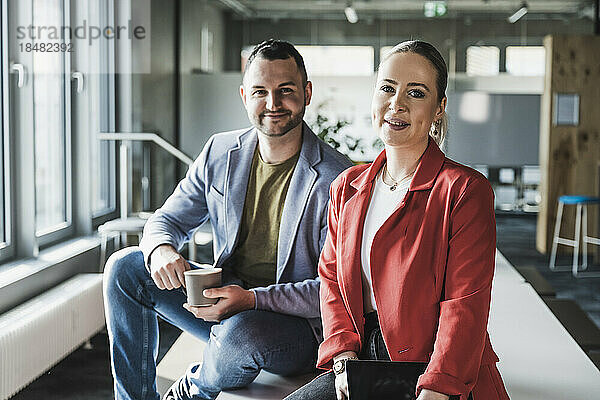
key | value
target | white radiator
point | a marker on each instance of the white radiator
(39, 333)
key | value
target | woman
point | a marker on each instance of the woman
(406, 270)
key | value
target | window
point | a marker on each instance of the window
(483, 60)
(51, 133)
(45, 163)
(332, 60)
(338, 60)
(526, 60)
(49, 168)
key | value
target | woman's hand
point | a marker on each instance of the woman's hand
(341, 380)
(427, 394)
(341, 386)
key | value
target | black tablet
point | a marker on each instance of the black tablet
(381, 380)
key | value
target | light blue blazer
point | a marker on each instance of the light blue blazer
(215, 188)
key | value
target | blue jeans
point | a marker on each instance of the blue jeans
(237, 347)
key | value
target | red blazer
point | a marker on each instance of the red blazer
(432, 264)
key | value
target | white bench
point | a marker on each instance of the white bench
(539, 360)
(538, 357)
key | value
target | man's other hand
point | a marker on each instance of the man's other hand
(233, 299)
(167, 267)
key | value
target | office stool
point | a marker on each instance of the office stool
(129, 225)
(581, 202)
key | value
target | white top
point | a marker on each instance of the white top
(382, 205)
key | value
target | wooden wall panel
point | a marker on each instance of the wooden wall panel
(569, 155)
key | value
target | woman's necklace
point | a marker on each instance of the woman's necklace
(395, 184)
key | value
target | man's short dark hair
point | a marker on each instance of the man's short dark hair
(273, 49)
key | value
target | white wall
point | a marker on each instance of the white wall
(209, 104)
(493, 129)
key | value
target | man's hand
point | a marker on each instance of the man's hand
(427, 394)
(167, 267)
(233, 299)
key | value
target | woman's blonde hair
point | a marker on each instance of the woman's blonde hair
(440, 127)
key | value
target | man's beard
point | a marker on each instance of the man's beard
(278, 131)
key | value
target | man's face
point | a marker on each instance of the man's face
(273, 95)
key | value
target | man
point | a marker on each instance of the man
(265, 191)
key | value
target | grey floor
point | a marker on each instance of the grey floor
(516, 240)
(85, 374)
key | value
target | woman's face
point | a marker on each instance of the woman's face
(405, 102)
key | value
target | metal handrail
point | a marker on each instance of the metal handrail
(124, 164)
(123, 158)
(147, 137)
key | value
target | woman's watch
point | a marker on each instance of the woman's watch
(339, 367)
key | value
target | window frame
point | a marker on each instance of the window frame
(7, 243)
(64, 229)
(108, 98)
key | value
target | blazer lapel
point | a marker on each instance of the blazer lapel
(301, 184)
(429, 167)
(239, 162)
(350, 229)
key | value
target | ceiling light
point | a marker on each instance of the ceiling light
(519, 13)
(435, 9)
(351, 15)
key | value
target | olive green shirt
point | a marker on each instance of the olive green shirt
(255, 258)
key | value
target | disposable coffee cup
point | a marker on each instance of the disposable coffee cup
(196, 280)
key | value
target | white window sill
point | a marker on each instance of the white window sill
(15, 271)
